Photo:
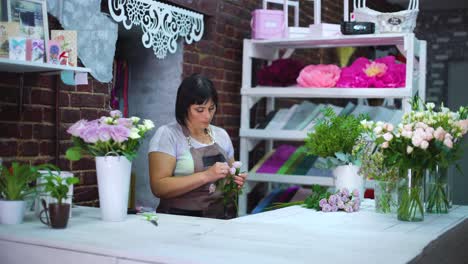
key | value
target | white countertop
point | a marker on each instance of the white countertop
(289, 235)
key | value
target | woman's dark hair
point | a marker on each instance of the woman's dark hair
(195, 89)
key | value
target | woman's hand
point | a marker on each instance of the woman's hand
(240, 179)
(218, 171)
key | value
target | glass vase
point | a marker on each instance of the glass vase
(438, 190)
(386, 196)
(411, 196)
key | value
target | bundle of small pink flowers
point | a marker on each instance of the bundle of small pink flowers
(342, 200)
(108, 134)
(230, 189)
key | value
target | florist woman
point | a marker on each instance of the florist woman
(188, 158)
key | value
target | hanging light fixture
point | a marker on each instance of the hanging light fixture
(162, 24)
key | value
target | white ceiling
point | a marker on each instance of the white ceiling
(434, 4)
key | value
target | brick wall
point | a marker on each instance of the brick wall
(446, 32)
(34, 136)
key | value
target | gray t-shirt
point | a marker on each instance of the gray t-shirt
(170, 139)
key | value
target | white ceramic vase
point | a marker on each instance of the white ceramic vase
(347, 176)
(113, 176)
(12, 212)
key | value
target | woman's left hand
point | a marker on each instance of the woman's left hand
(240, 179)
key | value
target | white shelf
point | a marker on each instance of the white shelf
(337, 41)
(290, 135)
(7, 65)
(298, 92)
(292, 179)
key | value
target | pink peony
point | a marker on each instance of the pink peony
(319, 76)
(382, 73)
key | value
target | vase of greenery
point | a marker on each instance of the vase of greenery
(57, 213)
(438, 192)
(385, 180)
(337, 139)
(16, 186)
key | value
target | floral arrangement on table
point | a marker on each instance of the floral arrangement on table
(385, 178)
(424, 140)
(230, 189)
(323, 200)
(337, 139)
(384, 72)
(108, 134)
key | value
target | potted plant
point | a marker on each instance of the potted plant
(337, 139)
(15, 186)
(114, 141)
(57, 187)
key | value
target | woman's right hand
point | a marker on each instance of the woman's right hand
(218, 171)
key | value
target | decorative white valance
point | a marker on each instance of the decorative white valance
(162, 24)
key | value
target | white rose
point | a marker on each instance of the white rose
(134, 133)
(135, 119)
(385, 144)
(377, 130)
(148, 124)
(409, 149)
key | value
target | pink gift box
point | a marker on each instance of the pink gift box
(267, 24)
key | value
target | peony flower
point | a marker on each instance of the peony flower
(356, 193)
(385, 144)
(282, 72)
(348, 208)
(416, 140)
(319, 76)
(448, 142)
(375, 69)
(439, 134)
(333, 199)
(424, 144)
(326, 208)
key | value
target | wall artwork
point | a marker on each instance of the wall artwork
(31, 16)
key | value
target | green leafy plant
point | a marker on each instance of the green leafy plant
(336, 139)
(57, 186)
(16, 182)
(311, 202)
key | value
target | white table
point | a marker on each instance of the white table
(289, 235)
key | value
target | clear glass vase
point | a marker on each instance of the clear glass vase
(411, 196)
(386, 196)
(438, 191)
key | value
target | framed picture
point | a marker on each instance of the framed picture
(31, 16)
(3, 11)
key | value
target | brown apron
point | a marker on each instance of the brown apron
(206, 200)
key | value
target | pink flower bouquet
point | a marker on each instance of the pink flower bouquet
(113, 134)
(381, 73)
(319, 76)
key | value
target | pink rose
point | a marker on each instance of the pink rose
(76, 129)
(120, 133)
